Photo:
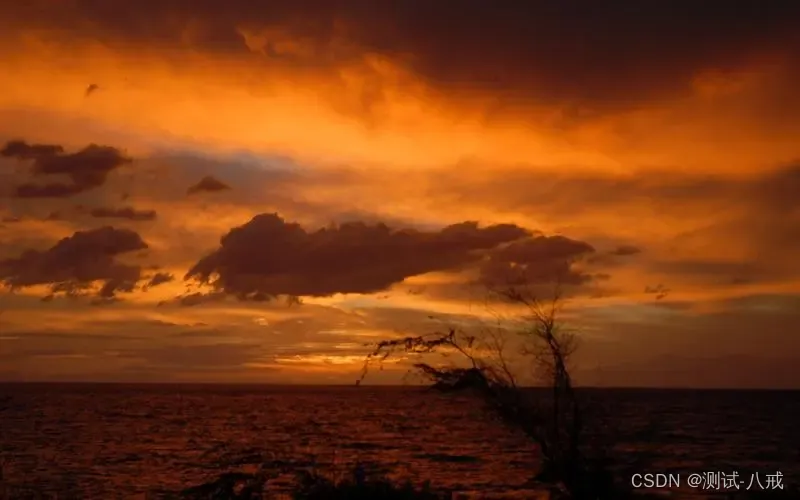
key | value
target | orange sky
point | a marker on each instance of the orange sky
(667, 163)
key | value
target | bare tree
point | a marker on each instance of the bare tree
(493, 363)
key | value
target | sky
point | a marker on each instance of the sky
(246, 191)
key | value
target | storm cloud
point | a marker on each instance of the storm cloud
(583, 54)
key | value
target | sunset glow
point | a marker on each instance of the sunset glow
(662, 166)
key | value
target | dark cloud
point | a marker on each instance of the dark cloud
(86, 169)
(25, 151)
(74, 264)
(160, 279)
(129, 213)
(111, 287)
(268, 256)
(580, 53)
(208, 184)
(538, 260)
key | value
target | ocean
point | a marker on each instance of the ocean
(105, 441)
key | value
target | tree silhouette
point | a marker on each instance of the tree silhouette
(500, 364)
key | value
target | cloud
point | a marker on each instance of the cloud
(208, 184)
(575, 53)
(74, 264)
(661, 105)
(25, 151)
(268, 256)
(86, 169)
(160, 279)
(123, 213)
(538, 260)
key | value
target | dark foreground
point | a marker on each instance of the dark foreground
(134, 441)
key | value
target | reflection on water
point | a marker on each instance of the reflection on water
(122, 441)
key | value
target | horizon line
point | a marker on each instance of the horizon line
(394, 386)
